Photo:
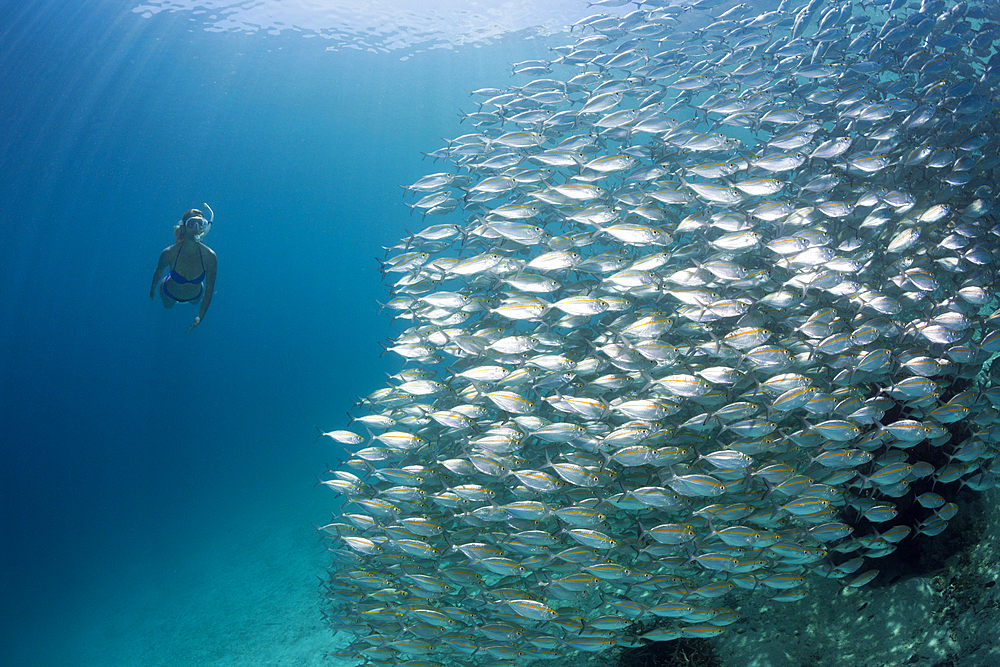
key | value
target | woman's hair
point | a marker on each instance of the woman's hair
(179, 229)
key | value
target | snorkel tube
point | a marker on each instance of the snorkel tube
(208, 222)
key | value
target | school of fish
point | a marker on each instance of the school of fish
(709, 313)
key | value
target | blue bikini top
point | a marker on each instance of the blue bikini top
(181, 280)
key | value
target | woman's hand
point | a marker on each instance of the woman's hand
(196, 322)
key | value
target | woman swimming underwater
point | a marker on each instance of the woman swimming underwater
(187, 257)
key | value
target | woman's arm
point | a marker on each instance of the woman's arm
(211, 264)
(158, 273)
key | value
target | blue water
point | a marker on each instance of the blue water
(157, 487)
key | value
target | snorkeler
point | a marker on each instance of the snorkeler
(188, 257)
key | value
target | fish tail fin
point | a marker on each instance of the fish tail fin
(649, 381)
(598, 230)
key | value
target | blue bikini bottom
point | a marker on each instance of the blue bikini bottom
(195, 299)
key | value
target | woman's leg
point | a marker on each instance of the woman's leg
(168, 301)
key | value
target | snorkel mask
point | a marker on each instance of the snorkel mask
(198, 226)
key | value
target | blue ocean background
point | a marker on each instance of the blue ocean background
(158, 489)
(157, 494)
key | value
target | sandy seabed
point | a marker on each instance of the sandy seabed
(254, 599)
